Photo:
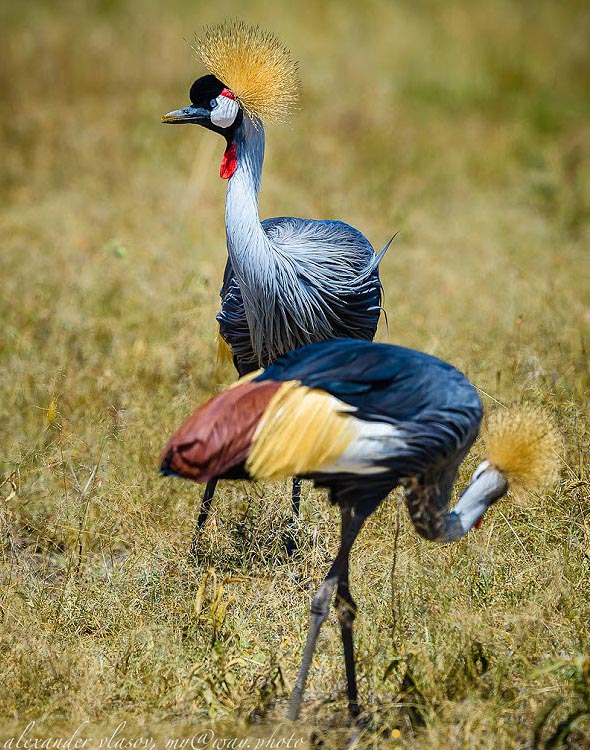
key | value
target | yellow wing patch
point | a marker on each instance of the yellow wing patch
(246, 378)
(224, 353)
(302, 429)
(525, 446)
(254, 66)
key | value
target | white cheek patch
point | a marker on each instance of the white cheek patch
(225, 113)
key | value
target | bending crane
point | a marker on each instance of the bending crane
(360, 419)
(288, 281)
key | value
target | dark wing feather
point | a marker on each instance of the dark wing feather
(233, 325)
(433, 404)
(435, 408)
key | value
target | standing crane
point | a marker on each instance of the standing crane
(288, 281)
(360, 419)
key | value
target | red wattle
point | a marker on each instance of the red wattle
(229, 162)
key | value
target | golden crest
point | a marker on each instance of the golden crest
(525, 446)
(254, 66)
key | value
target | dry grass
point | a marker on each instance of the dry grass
(465, 127)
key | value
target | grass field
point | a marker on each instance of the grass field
(463, 126)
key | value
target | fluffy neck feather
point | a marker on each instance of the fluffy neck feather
(249, 248)
(263, 272)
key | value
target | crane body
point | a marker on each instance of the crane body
(288, 281)
(407, 417)
(359, 419)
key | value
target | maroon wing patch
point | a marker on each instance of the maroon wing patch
(217, 436)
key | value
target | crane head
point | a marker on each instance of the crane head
(486, 487)
(250, 73)
(250, 68)
(488, 482)
(212, 105)
(523, 447)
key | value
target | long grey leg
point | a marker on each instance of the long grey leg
(320, 606)
(346, 610)
(203, 514)
(295, 502)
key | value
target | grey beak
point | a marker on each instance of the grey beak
(187, 114)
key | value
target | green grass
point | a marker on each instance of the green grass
(464, 127)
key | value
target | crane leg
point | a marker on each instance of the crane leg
(296, 496)
(320, 605)
(346, 609)
(206, 507)
(319, 611)
(295, 503)
(203, 515)
(206, 503)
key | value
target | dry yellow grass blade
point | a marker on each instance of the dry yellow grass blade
(254, 65)
(291, 437)
(525, 445)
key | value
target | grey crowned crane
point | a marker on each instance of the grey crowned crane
(360, 419)
(288, 281)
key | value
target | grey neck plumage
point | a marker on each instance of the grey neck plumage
(241, 209)
(249, 249)
(282, 312)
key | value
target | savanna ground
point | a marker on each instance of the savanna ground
(464, 127)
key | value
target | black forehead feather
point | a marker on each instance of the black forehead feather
(207, 87)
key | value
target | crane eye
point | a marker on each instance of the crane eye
(213, 103)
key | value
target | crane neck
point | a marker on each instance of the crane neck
(242, 222)
(428, 505)
(252, 253)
